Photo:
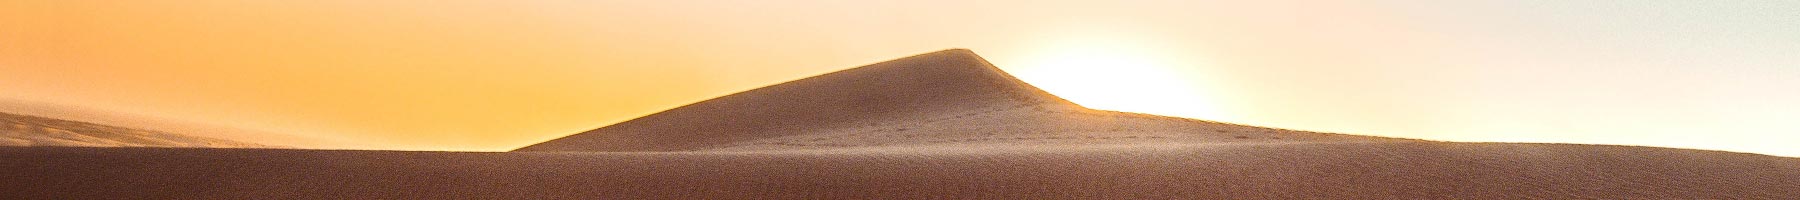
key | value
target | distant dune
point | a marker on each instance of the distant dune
(942, 125)
(113, 118)
(23, 130)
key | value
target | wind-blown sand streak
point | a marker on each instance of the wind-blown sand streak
(24, 130)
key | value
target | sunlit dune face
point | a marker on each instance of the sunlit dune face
(1120, 77)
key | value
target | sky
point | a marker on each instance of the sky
(497, 75)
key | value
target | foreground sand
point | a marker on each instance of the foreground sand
(1345, 170)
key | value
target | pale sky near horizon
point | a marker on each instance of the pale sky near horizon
(496, 75)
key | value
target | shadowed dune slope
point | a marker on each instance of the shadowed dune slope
(23, 130)
(950, 97)
(1412, 170)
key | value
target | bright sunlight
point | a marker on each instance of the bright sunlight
(1120, 76)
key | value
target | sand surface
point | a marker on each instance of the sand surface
(942, 125)
(1319, 171)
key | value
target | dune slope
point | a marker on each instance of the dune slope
(950, 97)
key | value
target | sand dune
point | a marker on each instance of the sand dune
(950, 97)
(23, 130)
(943, 125)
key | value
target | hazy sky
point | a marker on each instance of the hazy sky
(496, 75)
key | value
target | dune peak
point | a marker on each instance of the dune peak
(944, 98)
(910, 87)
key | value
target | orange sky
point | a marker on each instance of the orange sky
(480, 75)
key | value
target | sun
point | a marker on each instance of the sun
(1119, 77)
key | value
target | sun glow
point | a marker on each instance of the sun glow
(1120, 77)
